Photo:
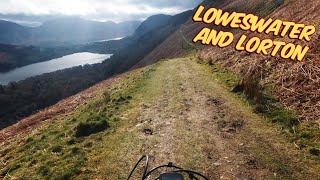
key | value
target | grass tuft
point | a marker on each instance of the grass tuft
(91, 127)
(44, 170)
(56, 149)
(67, 174)
(315, 151)
(284, 117)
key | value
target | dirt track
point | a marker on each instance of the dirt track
(183, 115)
(195, 127)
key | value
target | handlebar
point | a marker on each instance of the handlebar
(146, 173)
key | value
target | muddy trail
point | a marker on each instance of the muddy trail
(178, 113)
(192, 126)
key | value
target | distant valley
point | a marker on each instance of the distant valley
(75, 41)
(37, 92)
(64, 31)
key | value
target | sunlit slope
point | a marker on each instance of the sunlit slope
(295, 84)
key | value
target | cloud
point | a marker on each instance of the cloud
(116, 10)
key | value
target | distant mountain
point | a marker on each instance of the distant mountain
(12, 33)
(145, 30)
(66, 30)
(147, 37)
(152, 23)
(77, 30)
(128, 27)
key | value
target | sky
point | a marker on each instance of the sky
(35, 11)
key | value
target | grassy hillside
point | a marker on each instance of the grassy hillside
(71, 151)
(175, 111)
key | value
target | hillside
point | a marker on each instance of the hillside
(151, 23)
(64, 31)
(176, 45)
(297, 84)
(174, 111)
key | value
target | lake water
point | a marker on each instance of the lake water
(105, 40)
(64, 62)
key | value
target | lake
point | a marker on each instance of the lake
(64, 62)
